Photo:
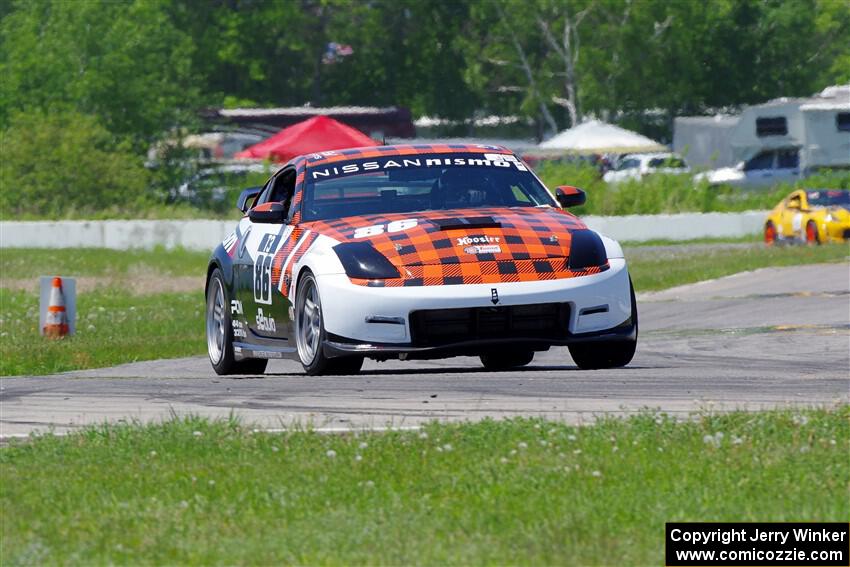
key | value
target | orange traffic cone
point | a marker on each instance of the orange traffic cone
(56, 323)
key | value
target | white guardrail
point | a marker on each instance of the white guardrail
(206, 234)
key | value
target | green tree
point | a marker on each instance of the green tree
(65, 163)
(123, 61)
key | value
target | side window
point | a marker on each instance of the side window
(842, 121)
(265, 193)
(789, 159)
(794, 202)
(282, 188)
(763, 160)
(773, 126)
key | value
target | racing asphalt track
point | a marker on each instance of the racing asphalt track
(768, 338)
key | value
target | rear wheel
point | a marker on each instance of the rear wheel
(812, 233)
(310, 334)
(506, 360)
(220, 333)
(609, 354)
(769, 234)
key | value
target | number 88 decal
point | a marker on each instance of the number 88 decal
(263, 279)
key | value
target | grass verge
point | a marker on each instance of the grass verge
(18, 263)
(116, 325)
(509, 492)
(113, 327)
(660, 193)
(659, 267)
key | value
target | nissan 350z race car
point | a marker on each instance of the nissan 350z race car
(412, 252)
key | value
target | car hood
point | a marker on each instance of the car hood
(460, 235)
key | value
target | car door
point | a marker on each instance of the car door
(787, 165)
(266, 310)
(792, 216)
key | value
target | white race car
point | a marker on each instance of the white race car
(411, 252)
(638, 166)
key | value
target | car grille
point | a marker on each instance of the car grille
(847, 234)
(438, 327)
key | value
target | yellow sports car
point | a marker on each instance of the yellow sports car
(810, 216)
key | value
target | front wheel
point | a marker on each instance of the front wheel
(609, 354)
(310, 334)
(220, 333)
(612, 354)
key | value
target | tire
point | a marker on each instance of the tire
(310, 333)
(608, 354)
(220, 333)
(812, 233)
(769, 234)
(506, 360)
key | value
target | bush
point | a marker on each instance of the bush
(62, 164)
(660, 193)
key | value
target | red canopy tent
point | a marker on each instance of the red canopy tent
(318, 134)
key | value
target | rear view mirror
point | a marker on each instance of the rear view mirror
(267, 213)
(569, 196)
(247, 198)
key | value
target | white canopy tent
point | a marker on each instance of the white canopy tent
(595, 137)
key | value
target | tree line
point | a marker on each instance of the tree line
(138, 69)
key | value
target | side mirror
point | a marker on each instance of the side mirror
(247, 198)
(267, 213)
(569, 196)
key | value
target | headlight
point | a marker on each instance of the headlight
(586, 250)
(362, 261)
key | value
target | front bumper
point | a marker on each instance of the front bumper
(340, 346)
(377, 322)
(836, 231)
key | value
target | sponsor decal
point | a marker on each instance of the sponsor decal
(489, 249)
(243, 242)
(238, 329)
(395, 162)
(229, 243)
(267, 354)
(483, 239)
(263, 267)
(265, 323)
(235, 307)
(494, 296)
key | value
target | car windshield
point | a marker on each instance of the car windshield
(828, 198)
(420, 182)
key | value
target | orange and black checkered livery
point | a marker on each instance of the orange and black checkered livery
(519, 244)
(529, 244)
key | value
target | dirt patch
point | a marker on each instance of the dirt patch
(137, 284)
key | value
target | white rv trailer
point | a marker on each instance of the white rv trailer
(780, 140)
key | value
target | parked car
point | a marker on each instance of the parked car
(810, 216)
(419, 251)
(763, 170)
(636, 166)
(212, 184)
